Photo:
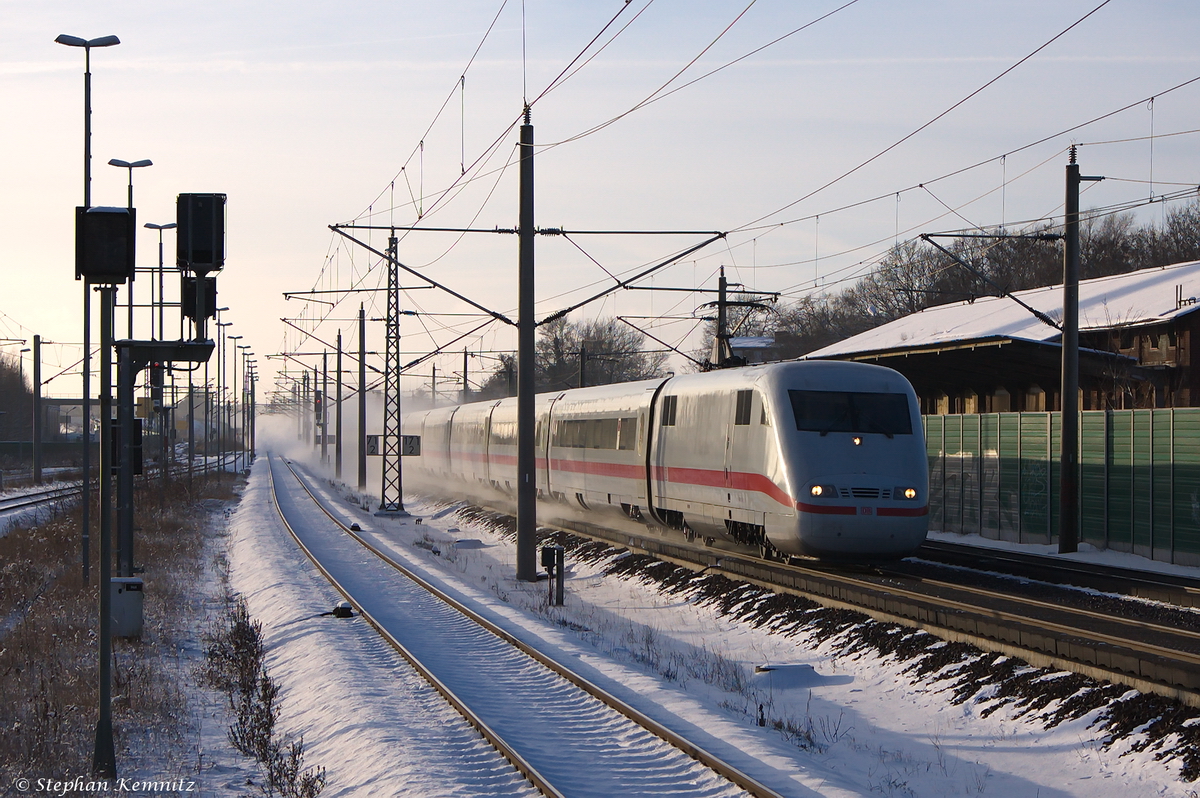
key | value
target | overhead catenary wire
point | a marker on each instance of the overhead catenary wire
(939, 116)
(660, 93)
(438, 114)
(1027, 145)
(731, 244)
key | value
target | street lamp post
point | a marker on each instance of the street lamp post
(253, 409)
(87, 45)
(162, 334)
(131, 165)
(104, 759)
(229, 386)
(241, 391)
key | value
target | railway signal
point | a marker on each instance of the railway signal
(410, 445)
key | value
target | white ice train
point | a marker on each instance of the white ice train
(811, 458)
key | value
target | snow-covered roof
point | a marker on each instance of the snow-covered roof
(1143, 297)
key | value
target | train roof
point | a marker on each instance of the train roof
(601, 396)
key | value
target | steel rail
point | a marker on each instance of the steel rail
(1142, 666)
(37, 498)
(728, 771)
(503, 748)
(1082, 611)
(1053, 626)
(1168, 588)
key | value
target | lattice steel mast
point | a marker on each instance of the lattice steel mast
(391, 493)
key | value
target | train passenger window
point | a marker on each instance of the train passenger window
(590, 433)
(603, 433)
(566, 433)
(741, 416)
(843, 411)
(627, 430)
(503, 433)
(668, 410)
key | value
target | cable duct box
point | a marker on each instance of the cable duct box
(104, 244)
(200, 232)
(126, 594)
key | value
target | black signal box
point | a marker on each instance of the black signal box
(200, 232)
(104, 244)
(189, 297)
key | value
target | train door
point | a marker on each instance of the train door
(452, 463)
(662, 445)
(545, 426)
(743, 468)
(739, 445)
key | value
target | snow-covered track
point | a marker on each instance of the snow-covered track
(1168, 588)
(37, 498)
(1044, 625)
(537, 712)
(72, 490)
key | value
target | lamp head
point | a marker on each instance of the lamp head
(128, 165)
(75, 41)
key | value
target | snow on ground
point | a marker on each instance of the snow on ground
(863, 728)
(363, 714)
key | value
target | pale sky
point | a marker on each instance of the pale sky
(303, 113)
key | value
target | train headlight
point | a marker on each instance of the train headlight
(828, 491)
(905, 493)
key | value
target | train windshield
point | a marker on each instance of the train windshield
(843, 411)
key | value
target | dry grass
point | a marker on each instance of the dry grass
(48, 649)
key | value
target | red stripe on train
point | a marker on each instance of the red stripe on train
(826, 509)
(703, 477)
(904, 512)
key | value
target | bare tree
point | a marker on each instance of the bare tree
(614, 353)
(914, 276)
(16, 402)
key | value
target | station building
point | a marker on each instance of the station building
(991, 355)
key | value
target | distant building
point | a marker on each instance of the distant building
(992, 355)
(755, 348)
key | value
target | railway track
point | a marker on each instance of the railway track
(1171, 589)
(37, 498)
(1149, 648)
(513, 694)
(72, 490)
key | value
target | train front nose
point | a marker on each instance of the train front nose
(862, 518)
